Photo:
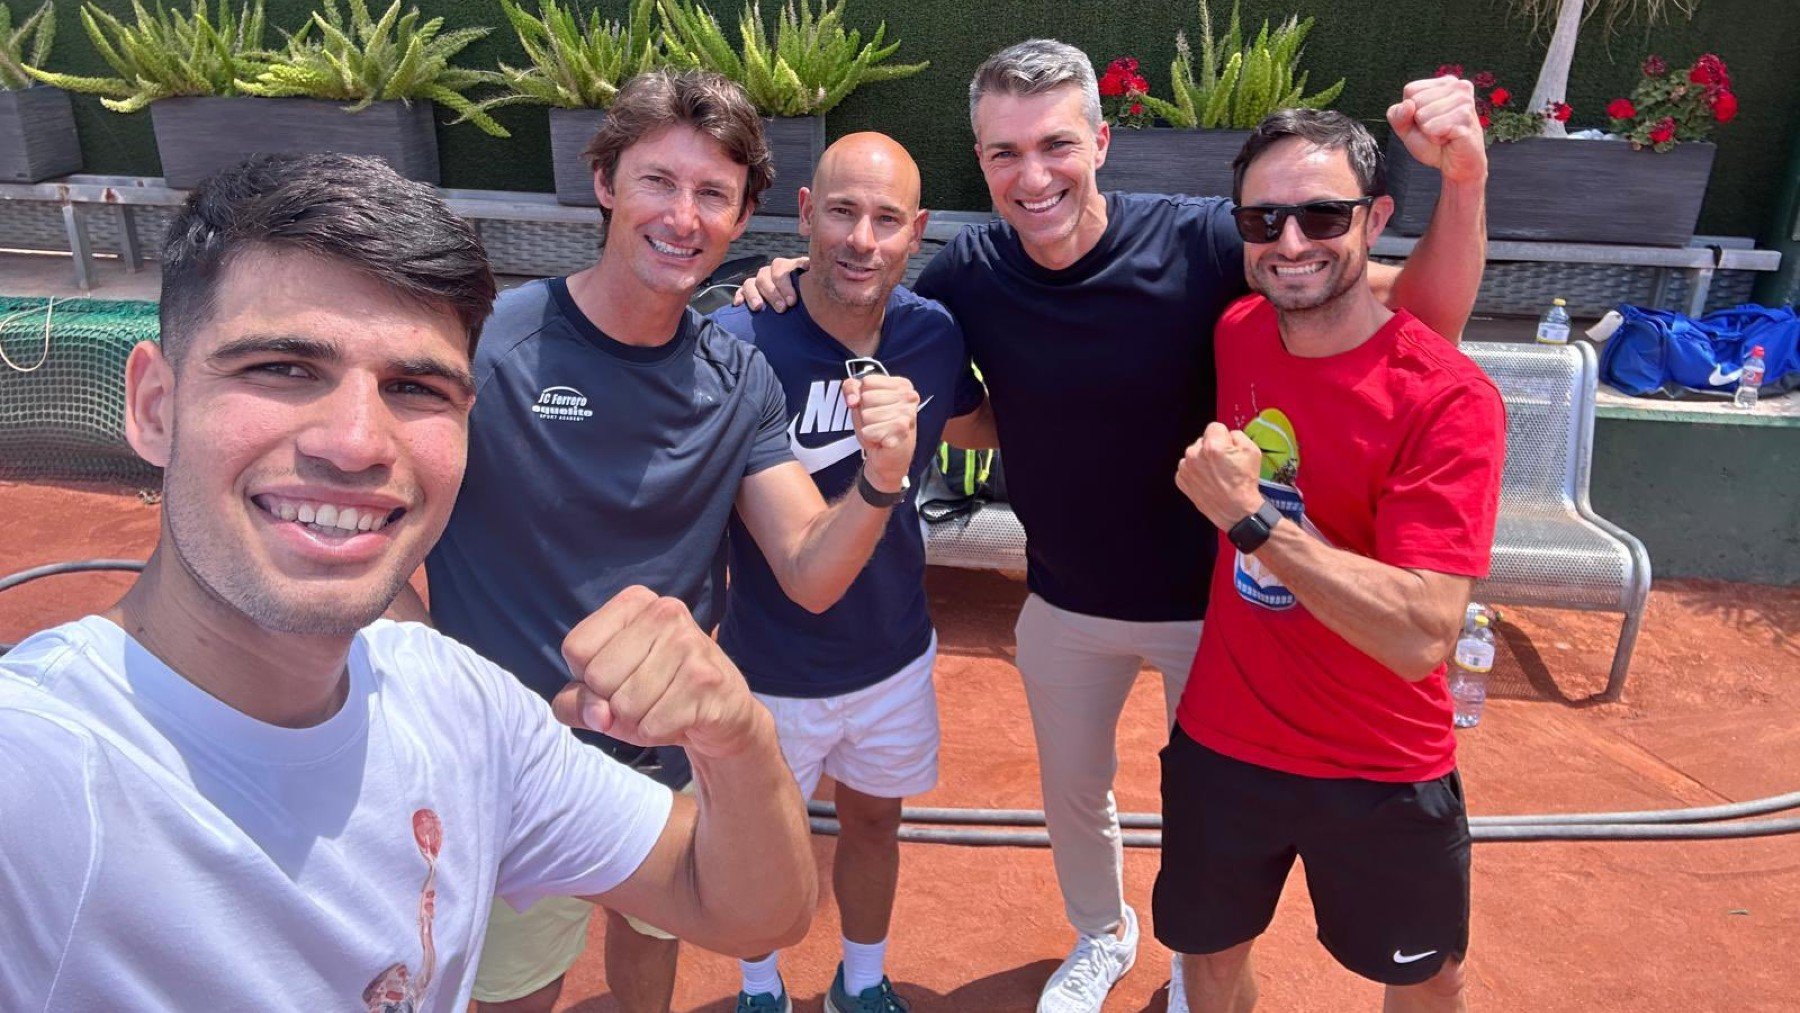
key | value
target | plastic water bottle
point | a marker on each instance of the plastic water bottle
(1469, 670)
(1750, 379)
(1553, 327)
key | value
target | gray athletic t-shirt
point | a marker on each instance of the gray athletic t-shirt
(595, 465)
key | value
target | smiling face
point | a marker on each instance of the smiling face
(676, 202)
(1295, 272)
(313, 438)
(1039, 154)
(862, 219)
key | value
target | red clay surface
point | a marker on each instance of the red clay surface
(1712, 714)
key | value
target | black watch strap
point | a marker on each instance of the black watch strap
(1250, 533)
(875, 497)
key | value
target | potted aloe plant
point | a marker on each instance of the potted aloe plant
(1214, 106)
(812, 64)
(576, 67)
(355, 84)
(37, 125)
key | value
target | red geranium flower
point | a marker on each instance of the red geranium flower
(1621, 109)
(1483, 79)
(1137, 109)
(1112, 84)
(1655, 66)
(1485, 120)
(1139, 84)
(1724, 107)
(1500, 96)
(1559, 111)
(1448, 70)
(1710, 71)
(1663, 132)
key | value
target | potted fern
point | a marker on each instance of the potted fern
(1214, 107)
(576, 67)
(37, 125)
(812, 64)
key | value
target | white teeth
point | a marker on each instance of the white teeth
(1294, 271)
(673, 251)
(1043, 205)
(327, 517)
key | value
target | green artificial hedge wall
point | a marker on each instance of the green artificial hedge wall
(1377, 45)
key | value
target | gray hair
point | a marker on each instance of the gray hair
(1033, 67)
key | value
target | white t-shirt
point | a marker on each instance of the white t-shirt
(160, 850)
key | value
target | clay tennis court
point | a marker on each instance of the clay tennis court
(1712, 714)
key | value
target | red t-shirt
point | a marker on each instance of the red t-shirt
(1392, 450)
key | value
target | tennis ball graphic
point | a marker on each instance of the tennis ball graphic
(1272, 432)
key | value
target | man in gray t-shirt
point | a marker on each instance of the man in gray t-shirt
(614, 433)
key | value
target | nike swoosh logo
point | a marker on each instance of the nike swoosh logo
(1720, 379)
(817, 459)
(1407, 958)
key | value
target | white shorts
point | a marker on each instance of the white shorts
(881, 740)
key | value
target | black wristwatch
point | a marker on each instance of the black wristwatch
(878, 499)
(1250, 533)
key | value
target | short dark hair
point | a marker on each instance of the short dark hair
(700, 99)
(355, 210)
(1326, 128)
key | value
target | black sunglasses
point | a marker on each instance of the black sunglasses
(1320, 219)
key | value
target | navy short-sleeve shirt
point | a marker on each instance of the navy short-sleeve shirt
(1101, 374)
(881, 622)
(595, 465)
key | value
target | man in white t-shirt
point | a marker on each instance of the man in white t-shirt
(239, 786)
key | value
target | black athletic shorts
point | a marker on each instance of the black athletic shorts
(1387, 865)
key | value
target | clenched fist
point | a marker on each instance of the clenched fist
(1437, 120)
(642, 670)
(885, 412)
(1218, 473)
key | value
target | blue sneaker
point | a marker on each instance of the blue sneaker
(877, 998)
(763, 1002)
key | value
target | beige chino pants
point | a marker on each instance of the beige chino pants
(1078, 670)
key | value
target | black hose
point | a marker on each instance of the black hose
(52, 569)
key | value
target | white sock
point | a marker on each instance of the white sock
(762, 975)
(862, 965)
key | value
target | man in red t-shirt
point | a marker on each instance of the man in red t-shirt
(1356, 476)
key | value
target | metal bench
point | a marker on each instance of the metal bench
(1550, 547)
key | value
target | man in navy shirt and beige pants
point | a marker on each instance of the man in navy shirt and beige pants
(1091, 318)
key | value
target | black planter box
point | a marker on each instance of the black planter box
(570, 132)
(1192, 162)
(37, 135)
(795, 142)
(197, 137)
(1570, 191)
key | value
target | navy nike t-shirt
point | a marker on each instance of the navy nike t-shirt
(595, 465)
(881, 623)
(1101, 374)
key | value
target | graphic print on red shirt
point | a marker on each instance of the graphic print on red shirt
(1392, 450)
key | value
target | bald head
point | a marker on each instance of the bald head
(862, 218)
(871, 160)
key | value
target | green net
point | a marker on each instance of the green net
(62, 389)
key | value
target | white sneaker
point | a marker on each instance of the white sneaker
(1081, 983)
(1177, 990)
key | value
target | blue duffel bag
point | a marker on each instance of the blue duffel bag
(1666, 353)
